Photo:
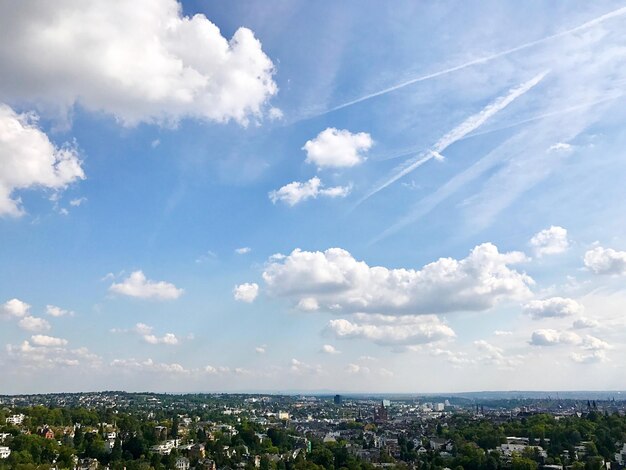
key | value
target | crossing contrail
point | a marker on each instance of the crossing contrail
(569, 109)
(482, 60)
(470, 124)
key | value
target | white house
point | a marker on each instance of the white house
(4, 452)
(16, 419)
(620, 457)
(182, 463)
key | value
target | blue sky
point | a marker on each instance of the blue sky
(342, 196)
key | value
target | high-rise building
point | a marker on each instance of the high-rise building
(337, 399)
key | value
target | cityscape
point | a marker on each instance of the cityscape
(236, 431)
(312, 235)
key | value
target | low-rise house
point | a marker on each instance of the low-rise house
(206, 464)
(4, 452)
(16, 419)
(87, 464)
(182, 463)
(620, 457)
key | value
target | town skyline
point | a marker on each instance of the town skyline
(260, 196)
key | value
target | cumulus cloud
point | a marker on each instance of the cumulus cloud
(150, 366)
(14, 308)
(300, 368)
(297, 192)
(334, 280)
(243, 250)
(551, 337)
(246, 292)
(550, 241)
(354, 369)
(561, 147)
(589, 357)
(308, 304)
(333, 148)
(584, 322)
(145, 332)
(169, 339)
(261, 349)
(605, 261)
(137, 285)
(30, 160)
(455, 358)
(553, 307)
(490, 354)
(140, 61)
(216, 370)
(47, 341)
(502, 333)
(392, 331)
(30, 323)
(49, 356)
(54, 311)
(329, 349)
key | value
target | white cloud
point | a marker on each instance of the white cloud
(550, 241)
(589, 358)
(456, 358)
(139, 61)
(30, 160)
(333, 148)
(337, 281)
(297, 192)
(392, 331)
(146, 333)
(50, 356)
(246, 292)
(275, 114)
(330, 349)
(14, 308)
(243, 250)
(31, 323)
(300, 368)
(551, 337)
(169, 338)
(553, 307)
(143, 329)
(605, 261)
(150, 366)
(54, 311)
(308, 304)
(502, 333)
(354, 369)
(561, 147)
(261, 349)
(216, 370)
(594, 344)
(78, 201)
(136, 285)
(494, 355)
(208, 256)
(584, 322)
(48, 341)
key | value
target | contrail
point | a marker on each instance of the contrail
(470, 124)
(429, 202)
(482, 60)
(514, 124)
